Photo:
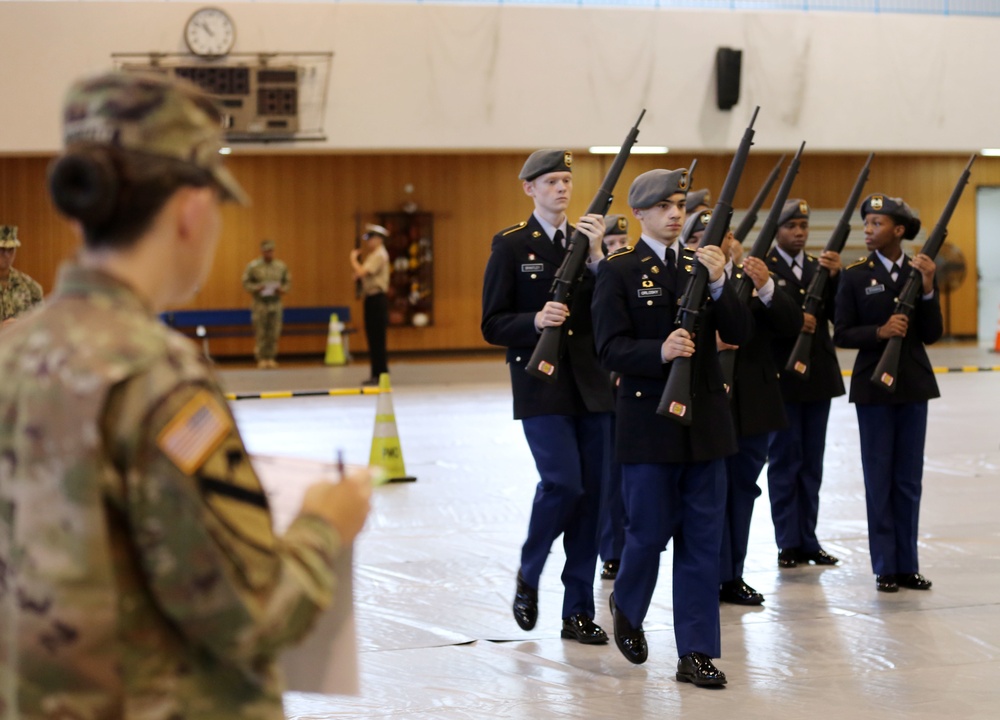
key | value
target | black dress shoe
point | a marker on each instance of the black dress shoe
(788, 558)
(697, 668)
(525, 604)
(886, 583)
(913, 581)
(581, 628)
(610, 569)
(631, 641)
(738, 592)
(820, 557)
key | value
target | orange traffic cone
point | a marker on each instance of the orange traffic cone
(387, 455)
(996, 339)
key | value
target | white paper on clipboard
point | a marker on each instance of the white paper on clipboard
(327, 660)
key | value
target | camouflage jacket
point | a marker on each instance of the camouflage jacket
(139, 573)
(261, 279)
(18, 294)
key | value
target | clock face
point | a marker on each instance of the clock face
(210, 32)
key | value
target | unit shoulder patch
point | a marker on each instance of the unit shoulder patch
(513, 228)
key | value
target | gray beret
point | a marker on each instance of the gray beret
(695, 222)
(895, 208)
(655, 186)
(696, 198)
(793, 210)
(615, 225)
(546, 161)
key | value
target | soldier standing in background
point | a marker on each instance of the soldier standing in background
(140, 576)
(18, 292)
(373, 272)
(267, 280)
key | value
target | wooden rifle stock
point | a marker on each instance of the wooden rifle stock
(888, 365)
(798, 360)
(545, 360)
(746, 224)
(761, 247)
(676, 399)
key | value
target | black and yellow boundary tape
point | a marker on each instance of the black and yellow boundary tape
(961, 369)
(273, 394)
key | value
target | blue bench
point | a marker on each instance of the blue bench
(235, 322)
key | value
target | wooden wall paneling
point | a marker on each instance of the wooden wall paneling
(307, 203)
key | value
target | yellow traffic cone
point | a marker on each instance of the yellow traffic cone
(335, 342)
(386, 451)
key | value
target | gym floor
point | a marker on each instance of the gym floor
(435, 568)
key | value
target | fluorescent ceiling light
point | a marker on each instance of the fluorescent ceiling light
(225, 151)
(990, 152)
(636, 150)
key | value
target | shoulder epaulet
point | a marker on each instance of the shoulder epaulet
(513, 228)
(860, 261)
(622, 251)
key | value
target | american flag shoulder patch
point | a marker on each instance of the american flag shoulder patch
(194, 432)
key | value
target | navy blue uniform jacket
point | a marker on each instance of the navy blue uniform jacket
(758, 404)
(824, 381)
(517, 284)
(865, 300)
(634, 311)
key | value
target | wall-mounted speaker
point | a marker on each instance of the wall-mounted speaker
(727, 77)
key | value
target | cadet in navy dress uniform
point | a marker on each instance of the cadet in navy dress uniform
(566, 422)
(673, 477)
(795, 454)
(612, 537)
(757, 407)
(892, 425)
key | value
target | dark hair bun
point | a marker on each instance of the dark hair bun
(912, 228)
(84, 185)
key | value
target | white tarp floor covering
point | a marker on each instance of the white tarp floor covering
(435, 568)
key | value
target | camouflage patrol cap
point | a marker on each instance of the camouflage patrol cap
(150, 114)
(267, 245)
(697, 198)
(615, 225)
(8, 237)
(655, 186)
(541, 162)
(895, 208)
(695, 223)
(793, 210)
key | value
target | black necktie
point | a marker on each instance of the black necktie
(671, 262)
(895, 272)
(797, 269)
(557, 240)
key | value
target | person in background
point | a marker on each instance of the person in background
(612, 530)
(757, 408)
(673, 476)
(18, 292)
(567, 422)
(373, 273)
(267, 280)
(892, 425)
(140, 576)
(795, 454)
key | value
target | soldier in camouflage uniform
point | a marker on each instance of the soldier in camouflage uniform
(139, 574)
(267, 280)
(18, 292)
